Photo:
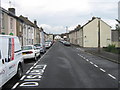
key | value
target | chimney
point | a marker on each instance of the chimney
(12, 10)
(35, 22)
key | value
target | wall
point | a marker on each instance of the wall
(90, 34)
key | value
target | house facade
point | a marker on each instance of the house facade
(88, 35)
(91, 33)
(8, 24)
(28, 31)
(115, 38)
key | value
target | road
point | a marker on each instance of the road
(69, 67)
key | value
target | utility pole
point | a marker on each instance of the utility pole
(66, 33)
(98, 34)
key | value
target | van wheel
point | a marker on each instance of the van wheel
(19, 72)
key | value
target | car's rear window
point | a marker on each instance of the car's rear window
(37, 45)
(27, 47)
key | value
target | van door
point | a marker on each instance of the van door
(11, 63)
(3, 72)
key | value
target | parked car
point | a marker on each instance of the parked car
(11, 59)
(51, 42)
(41, 47)
(66, 43)
(47, 45)
(30, 52)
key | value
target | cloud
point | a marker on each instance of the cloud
(55, 15)
(53, 29)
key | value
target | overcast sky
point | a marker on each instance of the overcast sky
(55, 15)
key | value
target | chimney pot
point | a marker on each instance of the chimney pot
(12, 10)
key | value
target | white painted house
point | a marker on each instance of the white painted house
(87, 35)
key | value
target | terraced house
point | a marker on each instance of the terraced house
(27, 31)
(94, 32)
(9, 18)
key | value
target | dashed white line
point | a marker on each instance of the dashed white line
(87, 60)
(95, 65)
(112, 76)
(91, 62)
(15, 85)
(102, 70)
(23, 77)
(84, 58)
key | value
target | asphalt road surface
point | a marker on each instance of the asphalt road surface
(69, 67)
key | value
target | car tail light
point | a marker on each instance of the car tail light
(30, 52)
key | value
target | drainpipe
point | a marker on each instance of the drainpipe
(98, 34)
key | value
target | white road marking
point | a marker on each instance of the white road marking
(95, 65)
(27, 71)
(32, 79)
(34, 64)
(102, 70)
(31, 68)
(87, 60)
(112, 76)
(15, 85)
(44, 67)
(23, 77)
(91, 62)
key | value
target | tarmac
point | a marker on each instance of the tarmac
(103, 54)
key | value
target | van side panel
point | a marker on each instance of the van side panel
(3, 70)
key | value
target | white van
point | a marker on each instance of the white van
(11, 59)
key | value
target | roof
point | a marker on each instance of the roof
(93, 18)
(8, 12)
(117, 20)
(25, 19)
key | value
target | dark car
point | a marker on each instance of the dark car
(66, 43)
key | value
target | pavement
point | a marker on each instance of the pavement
(107, 55)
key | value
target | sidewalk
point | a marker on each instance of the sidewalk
(107, 55)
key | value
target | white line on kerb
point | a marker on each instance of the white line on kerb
(34, 64)
(15, 85)
(102, 70)
(112, 76)
(23, 77)
(27, 71)
(31, 68)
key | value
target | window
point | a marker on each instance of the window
(11, 23)
(3, 21)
